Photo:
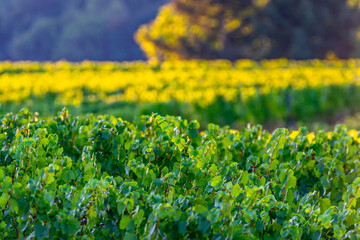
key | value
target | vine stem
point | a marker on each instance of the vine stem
(16, 227)
(212, 172)
(235, 204)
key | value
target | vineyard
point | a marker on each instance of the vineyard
(143, 151)
(180, 119)
(160, 177)
(278, 92)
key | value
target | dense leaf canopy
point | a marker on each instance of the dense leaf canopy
(159, 177)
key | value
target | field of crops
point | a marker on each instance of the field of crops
(162, 178)
(277, 92)
(149, 152)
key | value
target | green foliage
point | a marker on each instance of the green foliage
(103, 177)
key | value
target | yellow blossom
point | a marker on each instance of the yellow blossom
(294, 134)
(353, 133)
(310, 137)
(329, 135)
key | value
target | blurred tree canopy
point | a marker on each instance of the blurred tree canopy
(104, 29)
(255, 29)
(73, 29)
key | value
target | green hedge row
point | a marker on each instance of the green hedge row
(161, 178)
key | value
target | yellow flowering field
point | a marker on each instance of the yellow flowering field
(253, 91)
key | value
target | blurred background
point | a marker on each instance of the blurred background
(73, 29)
(229, 62)
(119, 30)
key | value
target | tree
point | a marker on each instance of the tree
(199, 29)
(233, 29)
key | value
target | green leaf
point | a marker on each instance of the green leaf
(259, 226)
(157, 182)
(182, 227)
(92, 216)
(139, 217)
(201, 163)
(182, 144)
(204, 226)
(92, 212)
(316, 235)
(213, 169)
(236, 190)
(244, 177)
(2, 225)
(2, 136)
(41, 231)
(282, 177)
(324, 181)
(356, 181)
(326, 217)
(325, 204)
(291, 183)
(130, 236)
(127, 145)
(120, 207)
(249, 215)
(147, 180)
(50, 179)
(90, 170)
(262, 181)
(226, 142)
(200, 209)
(193, 133)
(72, 226)
(124, 222)
(216, 180)
(28, 141)
(4, 199)
(274, 164)
(49, 197)
(1, 175)
(290, 196)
